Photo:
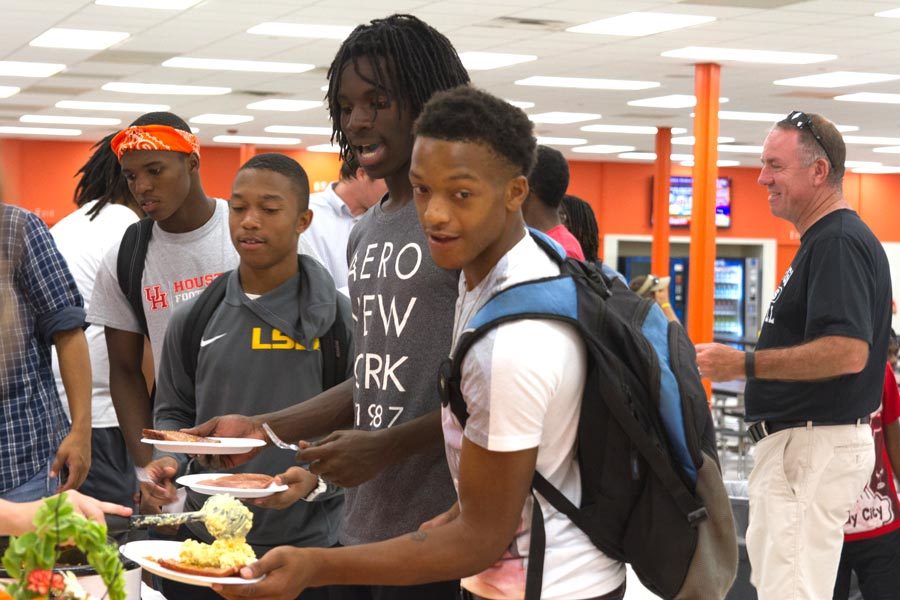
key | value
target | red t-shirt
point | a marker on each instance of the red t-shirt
(568, 241)
(878, 507)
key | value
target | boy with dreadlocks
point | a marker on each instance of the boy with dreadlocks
(105, 209)
(392, 460)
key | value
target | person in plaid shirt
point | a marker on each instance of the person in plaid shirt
(40, 306)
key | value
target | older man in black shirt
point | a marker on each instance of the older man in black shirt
(818, 368)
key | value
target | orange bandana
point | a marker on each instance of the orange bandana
(154, 137)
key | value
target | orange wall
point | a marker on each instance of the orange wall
(39, 175)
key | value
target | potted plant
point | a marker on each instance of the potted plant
(36, 563)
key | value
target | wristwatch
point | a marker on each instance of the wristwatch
(317, 491)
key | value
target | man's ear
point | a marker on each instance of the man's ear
(822, 170)
(516, 193)
(193, 162)
(304, 220)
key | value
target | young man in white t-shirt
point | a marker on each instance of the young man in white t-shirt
(522, 383)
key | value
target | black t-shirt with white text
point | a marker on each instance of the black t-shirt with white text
(839, 284)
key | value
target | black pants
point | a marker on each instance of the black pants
(442, 590)
(111, 477)
(877, 565)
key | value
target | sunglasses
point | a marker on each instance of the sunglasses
(801, 120)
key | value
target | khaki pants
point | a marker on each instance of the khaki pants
(804, 482)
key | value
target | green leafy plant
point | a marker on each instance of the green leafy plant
(30, 559)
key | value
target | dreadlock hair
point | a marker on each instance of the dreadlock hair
(101, 179)
(411, 61)
(283, 165)
(581, 221)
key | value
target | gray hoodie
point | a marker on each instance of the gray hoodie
(254, 358)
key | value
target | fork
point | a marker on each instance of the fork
(280, 443)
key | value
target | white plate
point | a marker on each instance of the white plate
(224, 446)
(193, 482)
(144, 551)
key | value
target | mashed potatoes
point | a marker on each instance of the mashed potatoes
(223, 553)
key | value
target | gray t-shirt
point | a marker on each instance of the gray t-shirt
(178, 267)
(402, 307)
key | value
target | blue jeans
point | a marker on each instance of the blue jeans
(39, 486)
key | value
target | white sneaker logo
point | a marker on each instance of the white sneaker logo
(211, 340)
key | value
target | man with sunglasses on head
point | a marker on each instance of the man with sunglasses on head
(818, 368)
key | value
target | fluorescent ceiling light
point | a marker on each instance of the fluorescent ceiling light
(846, 128)
(688, 140)
(560, 141)
(256, 139)
(719, 163)
(485, 61)
(836, 79)
(706, 53)
(165, 89)
(738, 149)
(882, 170)
(195, 130)
(887, 150)
(299, 130)
(652, 156)
(735, 115)
(302, 30)
(284, 105)
(520, 104)
(225, 64)
(632, 129)
(333, 148)
(66, 120)
(78, 39)
(16, 68)
(640, 23)
(220, 119)
(893, 13)
(562, 118)
(153, 4)
(324, 88)
(860, 164)
(587, 83)
(8, 90)
(13, 130)
(670, 101)
(871, 140)
(134, 107)
(876, 97)
(602, 149)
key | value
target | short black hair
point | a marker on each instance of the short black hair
(101, 179)
(829, 146)
(418, 61)
(549, 178)
(467, 114)
(582, 223)
(162, 118)
(284, 165)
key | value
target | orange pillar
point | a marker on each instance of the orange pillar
(248, 151)
(659, 256)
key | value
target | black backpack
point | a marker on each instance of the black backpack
(130, 266)
(652, 490)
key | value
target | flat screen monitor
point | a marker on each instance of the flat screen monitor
(680, 200)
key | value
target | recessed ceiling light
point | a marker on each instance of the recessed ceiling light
(152, 4)
(705, 53)
(633, 129)
(887, 149)
(719, 163)
(521, 104)
(302, 30)
(688, 140)
(225, 64)
(16, 68)
(875, 97)
(738, 149)
(652, 156)
(284, 105)
(485, 61)
(871, 140)
(165, 89)
(562, 118)
(67, 120)
(134, 107)
(220, 119)
(261, 140)
(670, 101)
(14, 130)
(641, 23)
(299, 130)
(860, 164)
(836, 79)
(332, 148)
(587, 83)
(78, 39)
(893, 13)
(602, 149)
(882, 170)
(8, 90)
(560, 141)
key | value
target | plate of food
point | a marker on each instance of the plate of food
(193, 562)
(239, 485)
(178, 441)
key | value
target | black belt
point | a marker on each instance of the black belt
(761, 429)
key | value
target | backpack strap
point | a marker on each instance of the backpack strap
(201, 312)
(130, 266)
(334, 352)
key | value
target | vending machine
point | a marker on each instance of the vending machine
(634, 266)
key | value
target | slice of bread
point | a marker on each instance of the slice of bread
(181, 567)
(175, 436)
